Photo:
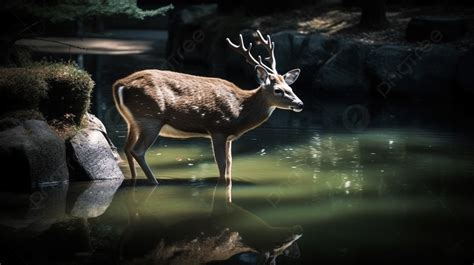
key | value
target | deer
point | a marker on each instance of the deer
(171, 104)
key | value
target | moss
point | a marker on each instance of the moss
(69, 91)
(65, 127)
(21, 89)
(60, 91)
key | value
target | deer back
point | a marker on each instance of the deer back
(186, 102)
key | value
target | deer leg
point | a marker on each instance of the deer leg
(223, 156)
(146, 137)
(131, 139)
(228, 170)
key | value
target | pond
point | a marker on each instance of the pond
(380, 196)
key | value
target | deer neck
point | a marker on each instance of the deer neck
(255, 109)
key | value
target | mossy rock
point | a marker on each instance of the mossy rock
(57, 90)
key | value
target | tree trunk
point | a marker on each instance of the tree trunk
(373, 14)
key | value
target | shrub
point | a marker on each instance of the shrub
(69, 91)
(21, 89)
(58, 90)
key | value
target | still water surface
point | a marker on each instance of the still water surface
(387, 196)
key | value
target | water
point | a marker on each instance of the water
(386, 196)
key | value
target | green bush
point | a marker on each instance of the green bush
(21, 89)
(57, 90)
(69, 91)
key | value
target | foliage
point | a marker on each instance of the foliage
(69, 90)
(58, 90)
(19, 56)
(21, 89)
(57, 11)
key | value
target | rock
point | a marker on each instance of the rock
(387, 65)
(312, 54)
(465, 73)
(91, 156)
(344, 75)
(9, 122)
(435, 29)
(95, 124)
(34, 153)
(288, 47)
(94, 199)
(414, 74)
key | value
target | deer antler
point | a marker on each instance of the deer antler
(269, 46)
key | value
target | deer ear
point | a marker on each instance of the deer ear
(291, 76)
(262, 75)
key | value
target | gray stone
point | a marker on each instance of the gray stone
(94, 123)
(93, 199)
(91, 155)
(427, 72)
(35, 154)
(9, 122)
(344, 75)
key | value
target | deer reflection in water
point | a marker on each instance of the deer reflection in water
(229, 230)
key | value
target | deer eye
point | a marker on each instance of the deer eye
(278, 91)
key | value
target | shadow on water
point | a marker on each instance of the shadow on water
(385, 197)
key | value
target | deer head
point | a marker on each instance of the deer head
(276, 87)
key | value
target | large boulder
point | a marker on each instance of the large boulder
(419, 74)
(93, 123)
(344, 74)
(34, 153)
(91, 155)
(435, 29)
